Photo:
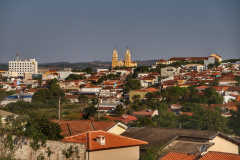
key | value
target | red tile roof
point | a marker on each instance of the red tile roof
(187, 113)
(126, 118)
(75, 127)
(220, 88)
(179, 156)
(143, 113)
(220, 156)
(111, 140)
(161, 60)
(187, 58)
(151, 89)
(202, 87)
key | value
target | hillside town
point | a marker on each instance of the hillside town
(180, 108)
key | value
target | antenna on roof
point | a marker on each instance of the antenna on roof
(17, 56)
(202, 148)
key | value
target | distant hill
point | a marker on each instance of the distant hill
(80, 65)
(4, 66)
(93, 65)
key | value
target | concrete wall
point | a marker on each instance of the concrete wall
(23, 151)
(223, 145)
(128, 153)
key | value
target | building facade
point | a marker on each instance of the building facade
(23, 66)
(126, 63)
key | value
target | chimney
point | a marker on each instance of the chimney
(101, 139)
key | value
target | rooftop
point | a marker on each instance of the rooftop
(111, 140)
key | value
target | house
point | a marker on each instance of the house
(169, 71)
(220, 89)
(103, 145)
(169, 83)
(211, 60)
(176, 108)
(89, 88)
(184, 140)
(108, 108)
(145, 113)
(72, 98)
(70, 128)
(195, 67)
(126, 118)
(188, 59)
(233, 90)
(161, 61)
(148, 81)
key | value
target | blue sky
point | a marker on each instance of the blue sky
(88, 30)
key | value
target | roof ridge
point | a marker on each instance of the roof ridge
(126, 137)
(92, 125)
(69, 128)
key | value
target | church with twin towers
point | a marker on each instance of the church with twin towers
(127, 63)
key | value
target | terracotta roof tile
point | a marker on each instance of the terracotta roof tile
(143, 113)
(220, 156)
(126, 118)
(111, 140)
(187, 113)
(162, 60)
(75, 127)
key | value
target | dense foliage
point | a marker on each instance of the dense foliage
(131, 84)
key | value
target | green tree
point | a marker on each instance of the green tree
(90, 111)
(40, 128)
(166, 119)
(72, 77)
(83, 99)
(119, 110)
(131, 84)
(210, 66)
(3, 95)
(145, 121)
(234, 121)
(191, 107)
(88, 70)
(53, 81)
(157, 152)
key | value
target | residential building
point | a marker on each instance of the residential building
(169, 71)
(184, 140)
(103, 145)
(211, 60)
(70, 128)
(145, 113)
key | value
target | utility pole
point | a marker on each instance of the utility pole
(59, 107)
(98, 105)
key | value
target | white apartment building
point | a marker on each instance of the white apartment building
(23, 66)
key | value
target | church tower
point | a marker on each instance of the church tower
(128, 58)
(114, 58)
